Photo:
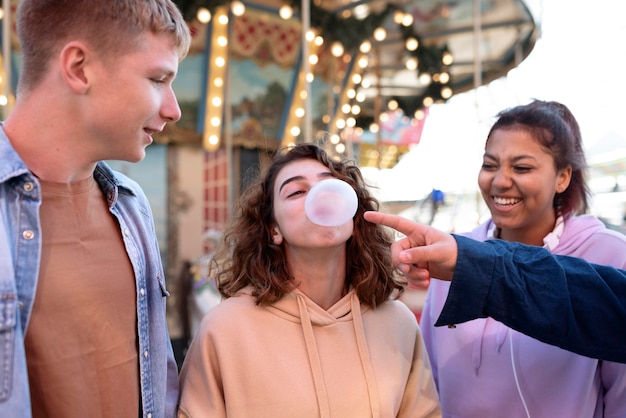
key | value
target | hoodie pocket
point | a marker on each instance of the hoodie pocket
(8, 321)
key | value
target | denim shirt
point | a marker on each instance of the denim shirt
(20, 254)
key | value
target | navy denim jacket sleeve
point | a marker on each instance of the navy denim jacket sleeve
(560, 300)
(20, 250)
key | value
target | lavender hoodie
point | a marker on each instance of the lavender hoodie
(484, 369)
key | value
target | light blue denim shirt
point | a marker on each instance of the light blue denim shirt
(20, 252)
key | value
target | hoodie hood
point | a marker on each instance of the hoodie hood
(299, 308)
(578, 231)
(289, 308)
(568, 235)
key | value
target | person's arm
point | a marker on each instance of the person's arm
(560, 300)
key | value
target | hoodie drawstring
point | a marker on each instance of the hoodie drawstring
(314, 358)
(316, 366)
(364, 355)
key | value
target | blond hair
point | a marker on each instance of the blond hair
(110, 26)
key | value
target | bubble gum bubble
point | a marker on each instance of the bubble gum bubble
(331, 202)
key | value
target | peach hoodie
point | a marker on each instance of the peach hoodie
(295, 359)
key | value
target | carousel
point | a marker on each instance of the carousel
(357, 77)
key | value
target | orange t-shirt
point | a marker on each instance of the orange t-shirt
(81, 341)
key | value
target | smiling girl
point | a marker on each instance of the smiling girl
(532, 180)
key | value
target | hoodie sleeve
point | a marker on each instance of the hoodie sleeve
(513, 283)
(201, 393)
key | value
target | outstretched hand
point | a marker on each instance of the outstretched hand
(423, 253)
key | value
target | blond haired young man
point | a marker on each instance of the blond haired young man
(82, 290)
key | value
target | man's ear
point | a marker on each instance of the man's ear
(73, 59)
(277, 237)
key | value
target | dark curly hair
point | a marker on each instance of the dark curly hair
(554, 127)
(247, 256)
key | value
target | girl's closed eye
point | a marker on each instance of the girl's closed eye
(295, 193)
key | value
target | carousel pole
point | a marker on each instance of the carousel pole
(477, 75)
(378, 109)
(306, 26)
(6, 56)
(477, 50)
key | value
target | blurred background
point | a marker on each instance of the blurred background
(577, 60)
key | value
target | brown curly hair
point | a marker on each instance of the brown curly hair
(247, 256)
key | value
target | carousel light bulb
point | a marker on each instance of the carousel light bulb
(336, 49)
(425, 78)
(380, 34)
(285, 12)
(203, 15)
(238, 8)
(411, 44)
(411, 63)
(398, 16)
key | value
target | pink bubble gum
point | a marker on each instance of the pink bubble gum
(331, 202)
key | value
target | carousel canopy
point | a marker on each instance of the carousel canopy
(410, 54)
(417, 49)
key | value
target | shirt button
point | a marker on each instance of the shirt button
(20, 305)
(145, 354)
(142, 291)
(149, 415)
(28, 186)
(126, 232)
(28, 234)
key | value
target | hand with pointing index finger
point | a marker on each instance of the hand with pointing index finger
(423, 253)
